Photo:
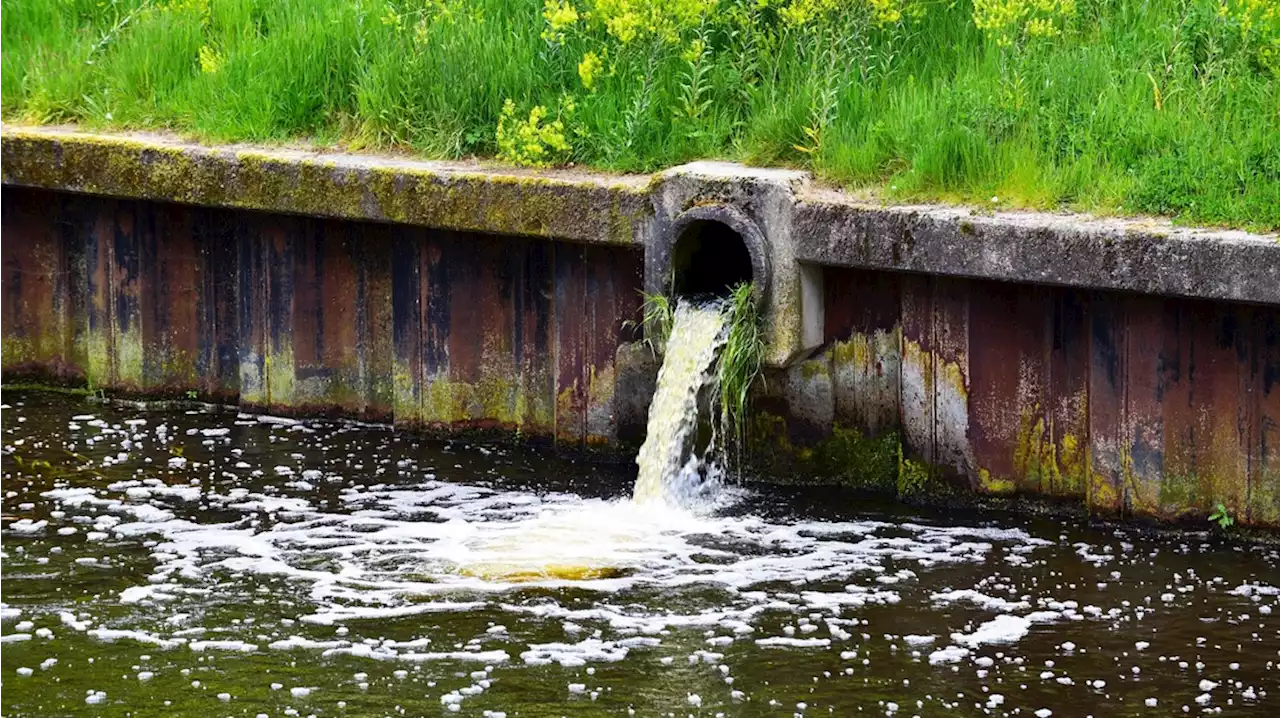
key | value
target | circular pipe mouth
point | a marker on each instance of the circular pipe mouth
(714, 249)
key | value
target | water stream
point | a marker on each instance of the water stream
(670, 467)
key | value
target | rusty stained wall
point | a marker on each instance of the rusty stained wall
(1131, 403)
(305, 315)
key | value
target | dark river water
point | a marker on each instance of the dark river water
(204, 563)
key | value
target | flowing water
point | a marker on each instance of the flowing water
(670, 466)
(199, 562)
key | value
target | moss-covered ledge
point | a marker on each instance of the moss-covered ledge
(568, 206)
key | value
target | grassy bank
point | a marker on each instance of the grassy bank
(1162, 106)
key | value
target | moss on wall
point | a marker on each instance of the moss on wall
(846, 457)
(329, 186)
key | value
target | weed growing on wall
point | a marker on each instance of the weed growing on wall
(1222, 517)
(1157, 106)
(658, 317)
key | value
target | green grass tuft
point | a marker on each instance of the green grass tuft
(658, 316)
(740, 360)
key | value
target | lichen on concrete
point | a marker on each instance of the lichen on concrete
(576, 208)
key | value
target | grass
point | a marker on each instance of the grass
(1119, 106)
(740, 360)
(658, 317)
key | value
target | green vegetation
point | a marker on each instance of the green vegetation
(658, 317)
(1161, 106)
(1222, 517)
(913, 476)
(740, 360)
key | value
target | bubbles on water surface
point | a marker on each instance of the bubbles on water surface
(425, 578)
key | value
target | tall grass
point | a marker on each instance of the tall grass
(740, 361)
(1154, 106)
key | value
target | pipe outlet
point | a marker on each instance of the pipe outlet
(717, 225)
(713, 248)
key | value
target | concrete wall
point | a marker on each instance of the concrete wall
(306, 315)
(1129, 365)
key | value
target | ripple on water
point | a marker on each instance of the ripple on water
(498, 579)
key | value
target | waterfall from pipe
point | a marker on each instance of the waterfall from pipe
(678, 483)
(672, 470)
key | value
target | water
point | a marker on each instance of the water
(670, 468)
(204, 563)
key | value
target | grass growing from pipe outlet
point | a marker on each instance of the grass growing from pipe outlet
(740, 361)
(1119, 106)
(658, 316)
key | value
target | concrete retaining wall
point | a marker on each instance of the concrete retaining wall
(1126, 364)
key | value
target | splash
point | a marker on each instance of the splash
(671, 469)
(594, 541)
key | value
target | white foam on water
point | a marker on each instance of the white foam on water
(332, 561)
(981, 600)
(788, 642)
(389, 552)
(577, 654)
(111, 635)
(357, 557)
(950, 654)
(227, 645)
(1005, 628)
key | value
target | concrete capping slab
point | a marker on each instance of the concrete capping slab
(1148, 256)
(569, 206)
(822, 226)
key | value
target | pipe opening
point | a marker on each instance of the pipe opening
(709, 259)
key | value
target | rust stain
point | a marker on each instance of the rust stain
(1143, 427)
(863, 326)
(1264, 478)
(917, 371)
(37, 280)
(570, 320)
(1108, 457)
(1068, 394)
(1139, 404)
(951, 346)
(304, 315)
(1155, 406)
(535, 339)
(609, 304)
(1005, 384)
